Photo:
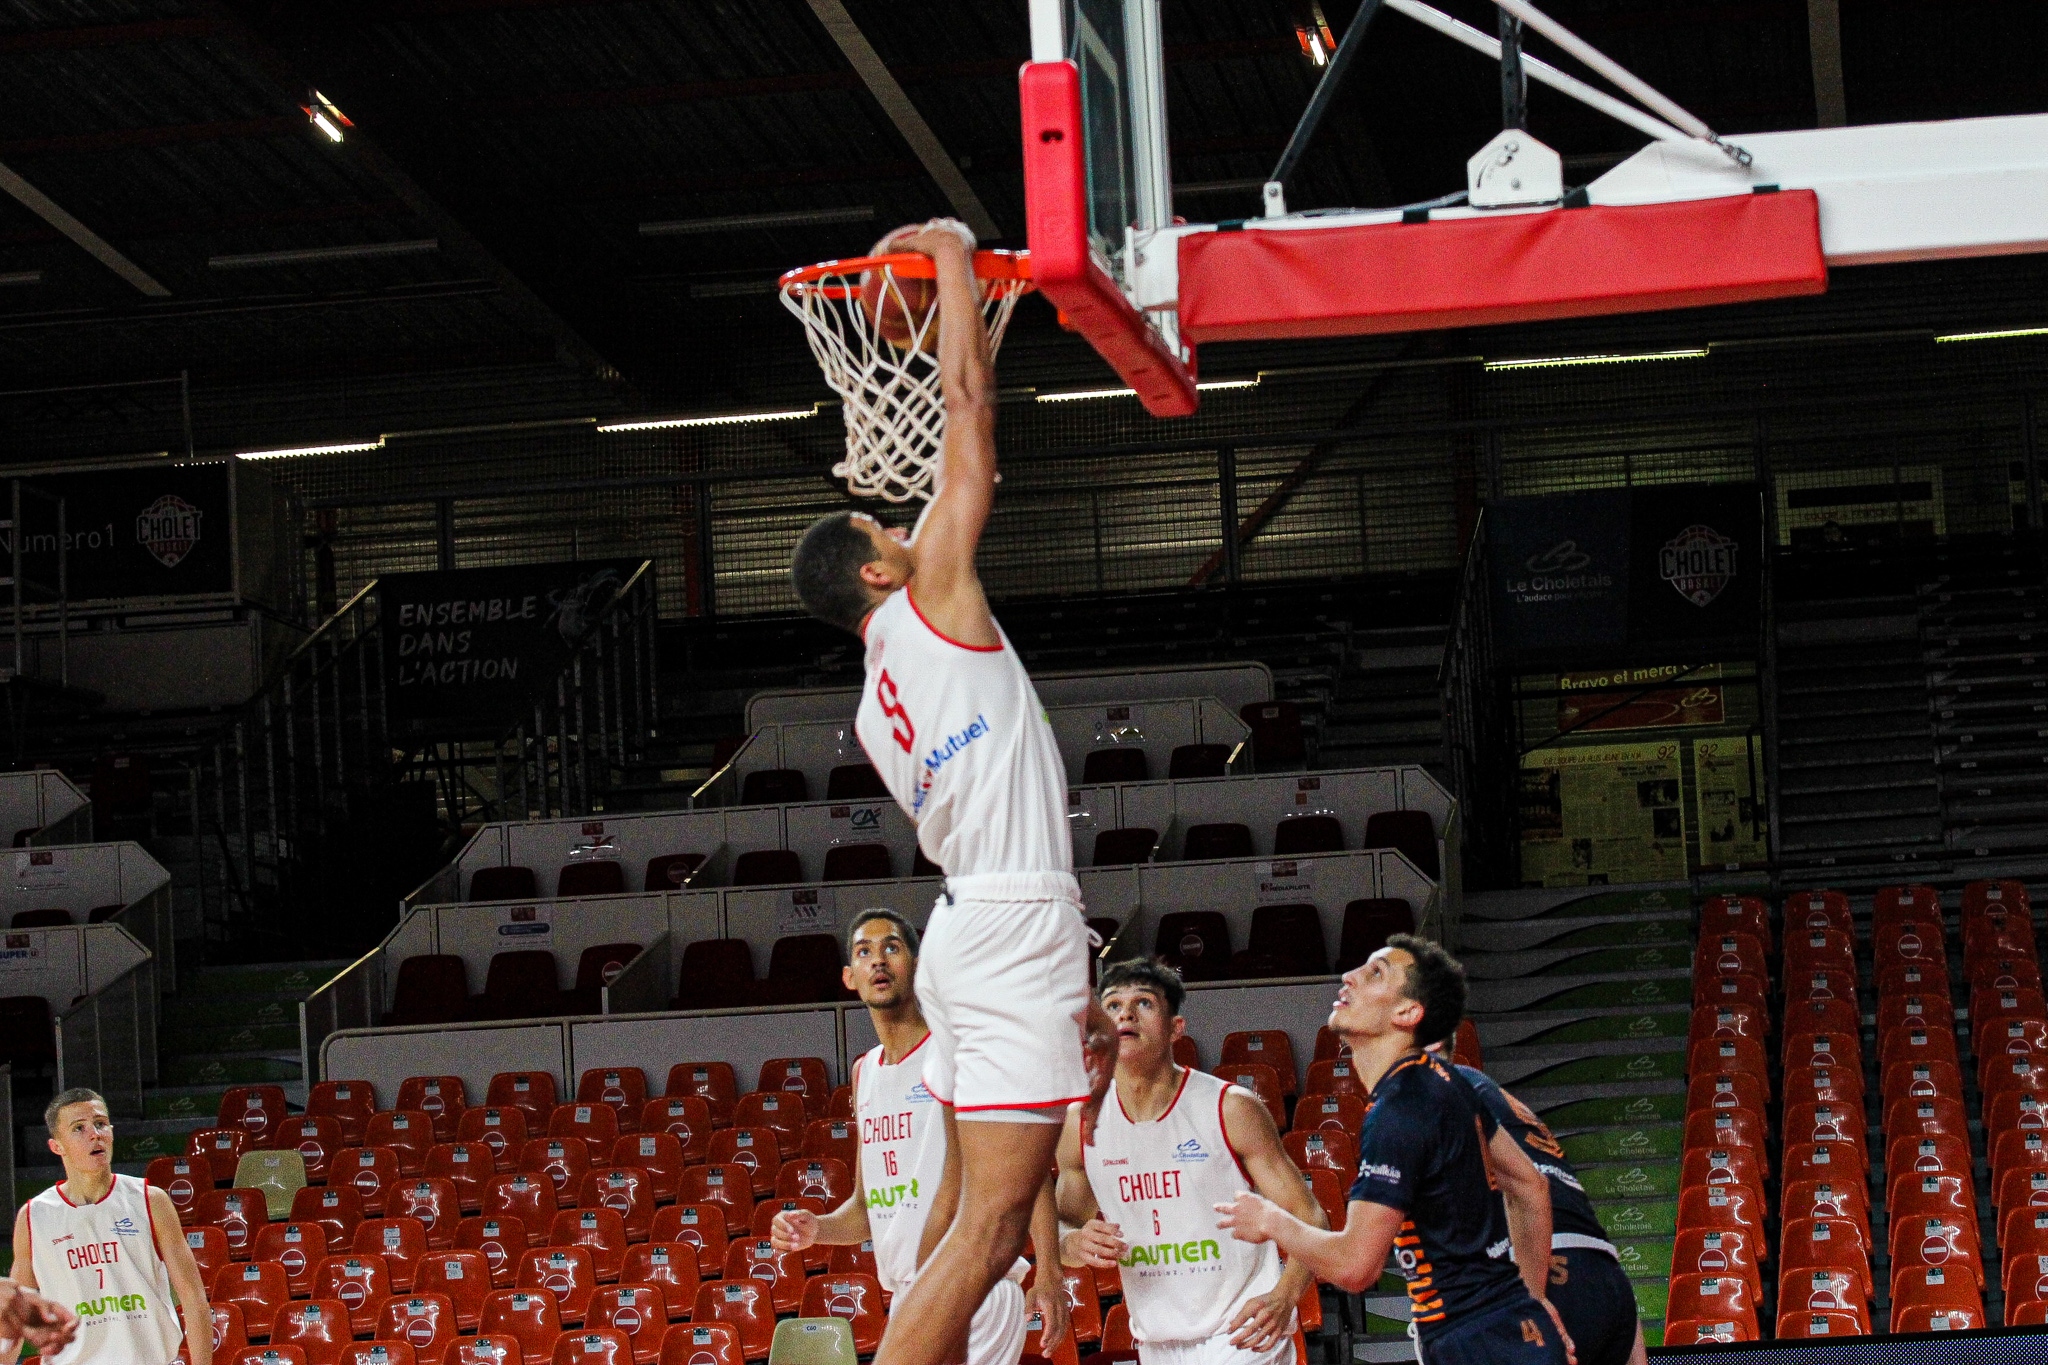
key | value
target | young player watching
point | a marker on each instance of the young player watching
(952, 724)
(1587, 1284)
(111, 1245)
(1170, 1144)
(903, 1154)
(1433, 1172)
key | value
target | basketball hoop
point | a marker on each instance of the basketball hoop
(889, 391)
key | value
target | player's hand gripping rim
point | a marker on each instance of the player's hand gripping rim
(1100, 1047)
(1262, 1323)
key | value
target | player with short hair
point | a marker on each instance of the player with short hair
(111, 1245)
(1171, 1143)
(903, 1153)
(952, 724)
(1440, 1184)
(1587, 1284)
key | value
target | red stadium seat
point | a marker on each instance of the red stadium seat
(1727, 1128)
(1819, 950)
(758, 1150)
(1808, 1121)
(240, 1214)
(360, 1282)
(1713, 1298)
(688, 1118)
(822, 1178)
(657, 1155)
(530, 1091)
(348, 1103)
(221, 1147)
(485, 1350)
(370, 1171)
(567, 1272)
(702, 1343)
(1827, 1198)
(258, 1287)
(855, 1297)
(742, 1305)
(563, 1160)
(1817, 1243)
(1826, 1289)
(601, 1232)
(462, 1277)
(1703, 1166)
(1262, 1081)
(623, 1090)
(1739, 914)
(784, 1111)
(1834, 1084)
(1333, 1076)
(637, 1312)
(1916, 1077)
(781, 1272)
(1728, 1054)
(299, 1248)
(183, 1178)
(1946, 1241)
(338, 1208)
(1814, 1160)
(1729, 1019)
(726, 1186)
(440, 1098)
(209, 1248)
(1926, 1115)
(424, 1321)
(499, 1241)
(1818, 909)
(1722, 1206)
(527, 1196)
(1718, 1251)
(498, 1127)
(467, 1166)
(596, 1124)
(1721, 1090)
(434, 1203)
(400, 1241)
(253, 1110)
(600, 1346)
(1271, 1046)
(378, 1353)
(1930, 1298)
(699, 1226)
(1713, 988)
(832, 1137)
(671, 1267)
(1794, 1325)
(529, 1318)
(318, 1327)
(407, 1132)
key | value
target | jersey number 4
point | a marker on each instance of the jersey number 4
(900, 728)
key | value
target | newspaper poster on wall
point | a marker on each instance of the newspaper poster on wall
(1726, 811)
(1596, 815)
(807, 910)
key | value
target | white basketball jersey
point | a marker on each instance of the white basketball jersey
(1184, 1278)
(960, 739)
(902, 1155)
(103, 1261)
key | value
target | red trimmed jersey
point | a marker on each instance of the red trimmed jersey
(1422, 1150)
(959, 737)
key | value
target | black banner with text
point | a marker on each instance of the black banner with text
(473, 644)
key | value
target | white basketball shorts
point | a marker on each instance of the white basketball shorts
(995, 1335)
(1002, 979)
(1217, 1350)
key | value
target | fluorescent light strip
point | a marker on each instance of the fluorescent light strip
(1996, 336)
(1552, 361)
(416, 247)
(1207, 386)
(21, 277)
(721, 420)
(321, 122)
(338, 448)
(685, 227)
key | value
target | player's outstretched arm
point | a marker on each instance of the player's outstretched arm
(25, 1315)
(1093, 1240)
(1267, 1319)
(186, 1281)
(1526, 1193)
(797, 1229)
(1351, 1259)
(946, 588)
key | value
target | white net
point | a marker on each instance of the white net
(895, 415)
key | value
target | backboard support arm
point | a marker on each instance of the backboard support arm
(1318, 105)
(1514, 80)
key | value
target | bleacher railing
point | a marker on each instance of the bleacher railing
(351, 999)
(644, 984)
(1476, 738)
(598, 714)
(107, 1041)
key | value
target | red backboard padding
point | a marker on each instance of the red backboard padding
(1261, 284)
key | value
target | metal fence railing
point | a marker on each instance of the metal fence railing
(107, 1041)
(352, 998)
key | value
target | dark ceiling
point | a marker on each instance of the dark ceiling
(530, 139)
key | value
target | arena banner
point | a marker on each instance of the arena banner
(473, 644)
(1625, 568)
(1560, 568)
(138, 532)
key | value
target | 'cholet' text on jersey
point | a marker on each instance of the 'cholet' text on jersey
(1184, 1278)
(902, 1155)
(959, 738)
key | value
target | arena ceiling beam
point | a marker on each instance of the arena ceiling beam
(94, 245)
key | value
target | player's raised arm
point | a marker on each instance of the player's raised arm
(947, 589)
(1265, 1320)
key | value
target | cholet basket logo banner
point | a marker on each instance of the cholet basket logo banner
(1699, 562)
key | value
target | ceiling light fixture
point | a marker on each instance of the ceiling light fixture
(303, 255)
(1554, 361)
(1206, 386)
(1996, 336)
(338, 448)
(687, 227)
(325, 116)
(726, 419)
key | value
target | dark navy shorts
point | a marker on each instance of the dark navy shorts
(1593, 1296)
(1520, 1333)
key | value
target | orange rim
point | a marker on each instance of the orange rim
(1010, 267)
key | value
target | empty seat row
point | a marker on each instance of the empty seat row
(1411, 832)
(434, 988)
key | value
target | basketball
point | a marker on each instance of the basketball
(898, 313)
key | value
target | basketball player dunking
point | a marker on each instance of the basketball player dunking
(951, 722)
(111, 1245)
